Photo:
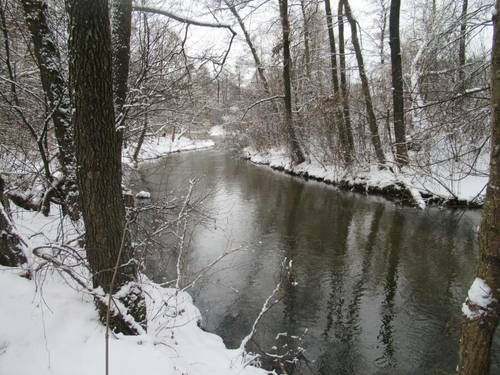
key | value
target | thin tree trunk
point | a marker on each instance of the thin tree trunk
(372, 121)
(345, 132)
(145, 69)
(55, 88)
(11, 244)
(248, 39)
(481, 318)
(343, 79)
(382, 32)
(397, 85)
(121, 25)
(333, 49)
(307, 51)
(462, 50)
(6, 41)
(293, 143)
(98, 151)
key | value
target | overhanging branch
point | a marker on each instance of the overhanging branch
(182, 19)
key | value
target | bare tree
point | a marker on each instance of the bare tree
(293, 143)
(397, 85)
(98, 151)
(306, 34)
(253, 50)
(55, 88)
(11, 244)
(462, 42)
(482, 308)
(372, 121)
(343, 76)
(345, 132)
(121, 24)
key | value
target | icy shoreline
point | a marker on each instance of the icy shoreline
(404, 188)
(156, 148)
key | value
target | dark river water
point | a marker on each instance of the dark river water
(374, 288)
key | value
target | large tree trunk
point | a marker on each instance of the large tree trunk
(11, 244)
(293, 143)
(372, 121)
(98, 152)
(481, 315)
(397, 85)
(55, 88)
(121, 25)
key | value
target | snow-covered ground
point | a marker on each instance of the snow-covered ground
(470, 189)
(217, 131)
(49, 327)
(154, 148)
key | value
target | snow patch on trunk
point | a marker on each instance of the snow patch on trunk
(480, 297)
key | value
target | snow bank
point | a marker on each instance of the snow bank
(154, 148)
(51, 328)
(217, 131)
(407, 186)
(143, 195)
(55, 330)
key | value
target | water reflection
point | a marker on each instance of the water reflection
(377, 287)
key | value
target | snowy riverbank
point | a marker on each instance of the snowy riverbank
(50, 326)
(408, 187)
(155, 148)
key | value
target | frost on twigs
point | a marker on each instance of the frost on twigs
(479, 300)
(287, 351)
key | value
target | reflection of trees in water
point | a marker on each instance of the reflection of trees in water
(239, 317)
(418, 264)
(386, 334)
(288, 221)
(346, 326)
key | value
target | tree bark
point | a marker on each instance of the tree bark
(345, 132)
(55, 88)
(383, 26)
(343, 79)
(462, 50)
(121, 26)
(296, 153)
(98, 151)
(11, 244)
(372, 121)
(333, 49)
(307, 52)
(397, 85)
(6, 41)
(478, 327)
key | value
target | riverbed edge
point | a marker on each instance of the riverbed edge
(398, 192)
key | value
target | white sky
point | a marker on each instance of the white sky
(263, 26)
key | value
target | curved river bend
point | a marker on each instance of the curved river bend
(376, 288)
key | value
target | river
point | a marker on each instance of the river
(374, 288)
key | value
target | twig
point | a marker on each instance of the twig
(110, 295)
(260, 102)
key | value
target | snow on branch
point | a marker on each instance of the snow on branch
(190, 21)
(182, 19)
(260, 102)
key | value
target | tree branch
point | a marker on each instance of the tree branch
(182, 19)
